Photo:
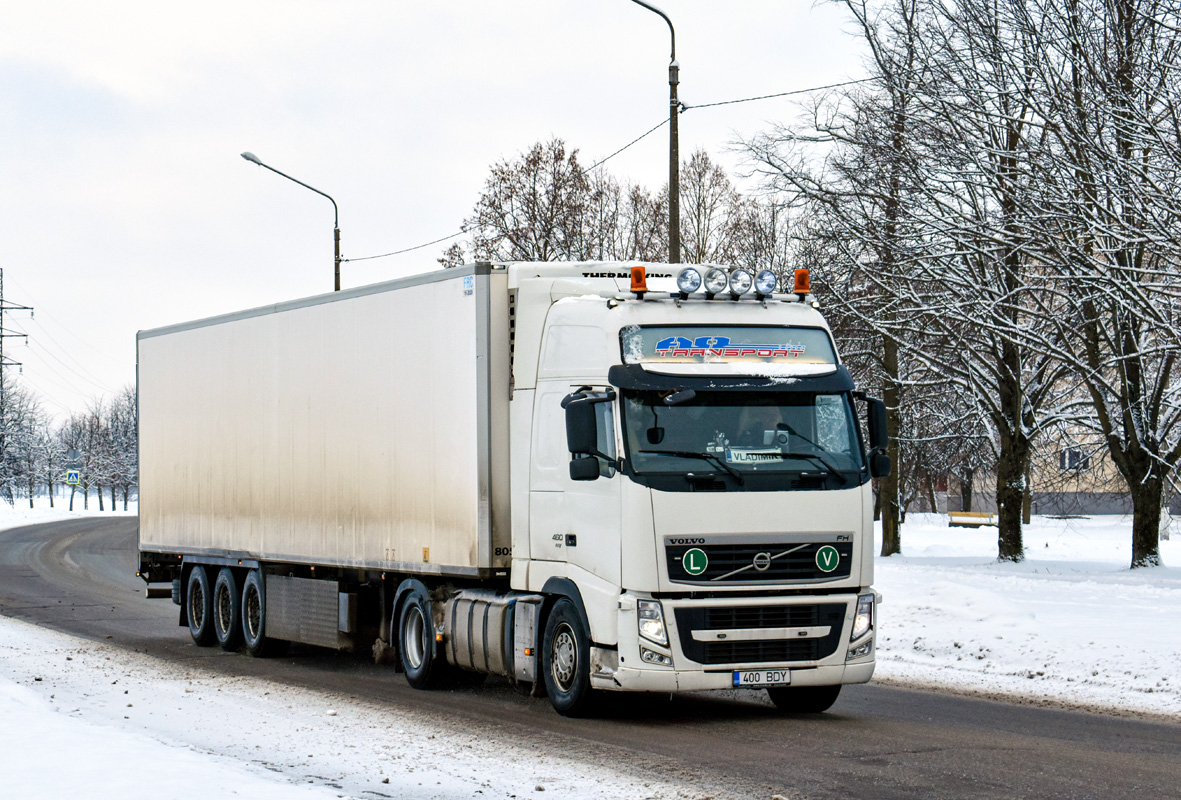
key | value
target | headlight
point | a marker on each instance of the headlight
(740, 282)
(651, 619)
(716, 280)
(863, 622)
(688, 280)
(766, 282)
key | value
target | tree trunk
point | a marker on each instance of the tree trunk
(931, 495)
(49, 483)
(72, 490)
(1010, 494)
(112, 497)
(1147, 497)
(889, 486)
(32, 488)
(86, 497)
(99, 492)
(966, 490)
(126, 491)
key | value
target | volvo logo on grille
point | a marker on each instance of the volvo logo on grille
(762, 561)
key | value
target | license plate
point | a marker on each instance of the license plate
(761, 677)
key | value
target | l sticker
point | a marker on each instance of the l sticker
(827, 558)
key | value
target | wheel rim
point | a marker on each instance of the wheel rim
(253, 613)
(564, 657)
(225, 608)
(414, 636)
(196, 605)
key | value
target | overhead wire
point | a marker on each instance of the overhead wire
(635, 141)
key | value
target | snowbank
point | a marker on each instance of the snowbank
(1071, 625)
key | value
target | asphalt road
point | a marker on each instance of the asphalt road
(877, 742)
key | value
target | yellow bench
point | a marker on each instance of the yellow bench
(969, 519)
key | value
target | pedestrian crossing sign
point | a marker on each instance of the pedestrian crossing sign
(72, 477)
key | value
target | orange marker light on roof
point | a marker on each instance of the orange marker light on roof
(802, 285)
(639, 280)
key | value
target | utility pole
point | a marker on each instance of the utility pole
(5, 362)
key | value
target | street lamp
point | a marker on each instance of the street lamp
(253, 159)
(674, 159)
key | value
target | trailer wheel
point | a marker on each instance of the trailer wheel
(565, 661)
(423, 664)
(199, 607)
(227, 610)
(254, 618)
(803, 699)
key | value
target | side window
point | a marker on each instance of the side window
(832, 424)
(605, 424)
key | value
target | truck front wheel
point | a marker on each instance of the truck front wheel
(199, 606)
(565, 661)
(804, 699)
(423, 665)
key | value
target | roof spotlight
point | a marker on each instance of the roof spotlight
(740, 282)
(716, 280)
(688, 281)
(766, 282)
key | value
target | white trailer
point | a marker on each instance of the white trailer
(527, 470)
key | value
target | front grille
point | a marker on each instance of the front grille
(764, 651)
(735, 563)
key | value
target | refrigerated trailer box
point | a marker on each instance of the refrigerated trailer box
(363, 429)
(580, 476)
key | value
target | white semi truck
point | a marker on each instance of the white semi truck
(585, 477)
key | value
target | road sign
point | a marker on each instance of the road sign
(73, 477)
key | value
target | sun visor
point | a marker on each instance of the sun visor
(634, 376)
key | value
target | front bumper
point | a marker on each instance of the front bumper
(738, 633)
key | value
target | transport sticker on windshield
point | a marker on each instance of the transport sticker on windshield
(728, 343)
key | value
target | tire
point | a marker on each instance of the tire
(423, 664)
(804, 699)
(199, 607)
(254, 619)
(565, 661)
(227, 610)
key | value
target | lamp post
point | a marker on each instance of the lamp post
(674, 159)
(253, 159)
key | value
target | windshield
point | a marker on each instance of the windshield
(730, 440)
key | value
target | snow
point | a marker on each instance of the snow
(118, 718)
(1072, 625)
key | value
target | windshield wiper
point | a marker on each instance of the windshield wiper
(703, 456)
(832, 470)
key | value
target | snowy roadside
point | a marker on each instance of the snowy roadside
(87, 719)
(1071, 626)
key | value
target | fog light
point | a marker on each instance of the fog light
(716, 281)
(652, 657)
(651, 621)
(740, 282)
(766, 282)
(688, 280)
(863, 622)
(860, 651)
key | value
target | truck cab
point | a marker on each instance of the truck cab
(695, 480)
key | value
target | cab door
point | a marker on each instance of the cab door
(577, 522)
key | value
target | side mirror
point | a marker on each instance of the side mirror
(584, 469)
(879, 465)
(581, 431)
(876, 422)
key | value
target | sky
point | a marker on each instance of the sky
(124, 204)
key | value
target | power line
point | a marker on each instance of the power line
(634, 141)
